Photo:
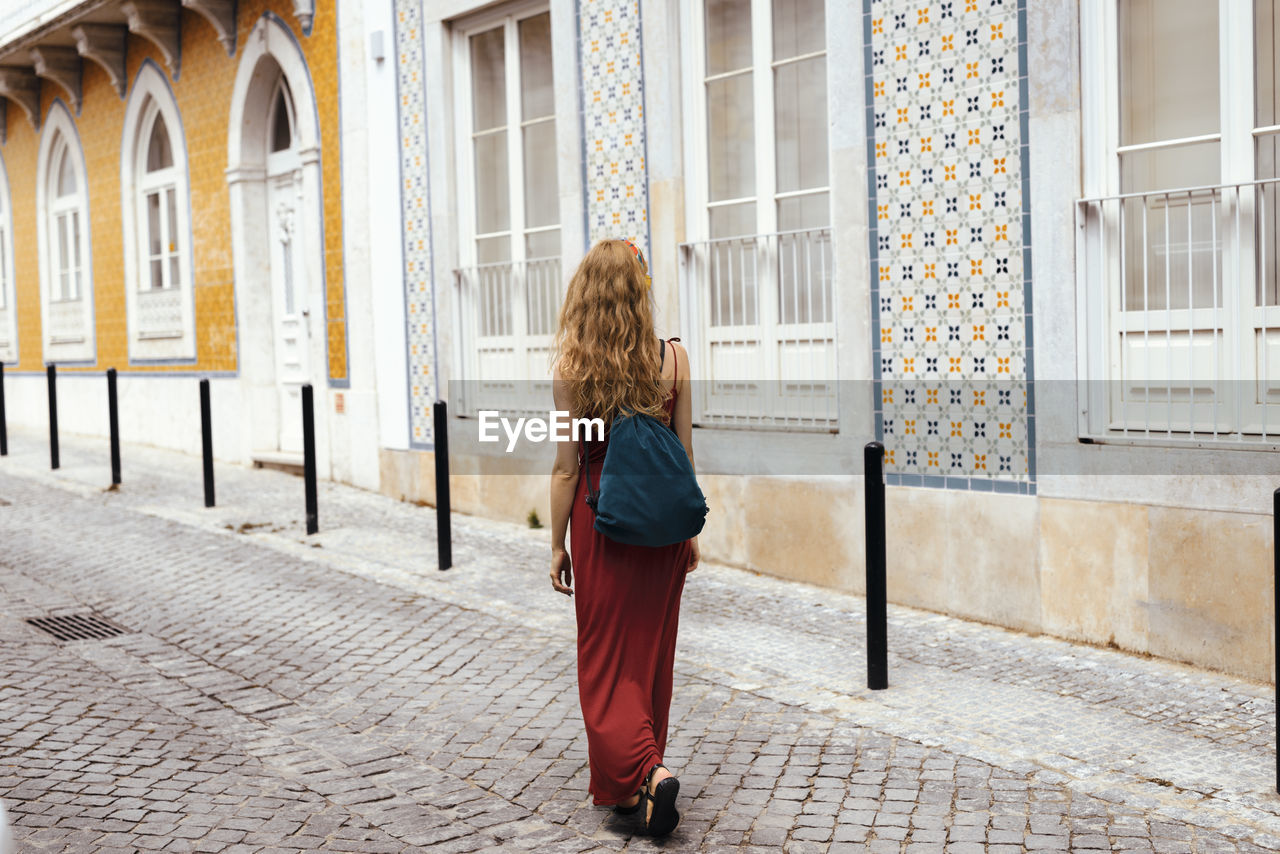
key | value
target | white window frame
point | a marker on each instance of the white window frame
(526, 354)
(696, 144)
(1227, 418)
(763, 404)
(8, 291)
(161, 322)
(68, 324)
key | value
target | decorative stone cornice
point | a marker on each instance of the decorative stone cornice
(305, 12)
(105, 45)
(60, 65)
(23, 88)
(221, 14)
(157, 22)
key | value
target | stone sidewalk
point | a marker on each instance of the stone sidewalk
(277, 692)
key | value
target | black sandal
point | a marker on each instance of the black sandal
(664, 817)
(619, 809)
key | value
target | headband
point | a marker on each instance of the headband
(644, 265)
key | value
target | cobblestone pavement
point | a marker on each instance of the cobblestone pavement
(278, 692)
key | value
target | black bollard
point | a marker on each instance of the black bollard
(206, 435)
(4, 428)
(309, 458)
(113, 418)
(444, 536)
(877, 617)
(52, 373)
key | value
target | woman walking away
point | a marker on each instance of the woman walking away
(627, 597)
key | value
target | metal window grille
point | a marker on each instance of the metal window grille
(1180, 311)
(762, 320)
(507, 320)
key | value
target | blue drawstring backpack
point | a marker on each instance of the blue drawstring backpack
(648, 493)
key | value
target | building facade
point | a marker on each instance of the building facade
(1029, 247)
(173, 207)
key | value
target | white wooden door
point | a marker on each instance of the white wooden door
(290, 312)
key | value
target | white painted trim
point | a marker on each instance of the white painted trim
(271, 45)
(149, 94)
(59, 127)
(8, 292)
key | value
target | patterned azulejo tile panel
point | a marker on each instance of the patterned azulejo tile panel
(419, 302)
(951, 285)
(613, 120)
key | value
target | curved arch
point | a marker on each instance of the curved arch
(270, 40)
(68, 325)
(277, 237)
(164, 328)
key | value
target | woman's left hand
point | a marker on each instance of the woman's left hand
(695, 555)
(561, 572)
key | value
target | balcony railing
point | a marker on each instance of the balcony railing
(1179, 314)
(761, 319)
(507, 322)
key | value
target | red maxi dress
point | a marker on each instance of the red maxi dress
(627, 600)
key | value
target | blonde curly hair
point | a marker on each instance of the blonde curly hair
(606, 348)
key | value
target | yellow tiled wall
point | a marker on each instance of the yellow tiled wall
(203, 93)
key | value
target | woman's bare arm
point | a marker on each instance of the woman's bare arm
(564, 486)
(682, 418)
(682, 421)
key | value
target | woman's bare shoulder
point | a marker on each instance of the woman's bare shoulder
(683, 355)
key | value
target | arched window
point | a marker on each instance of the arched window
(281, 118)
(158, 206)
(62, 207)
(158, 267)
(66, 220)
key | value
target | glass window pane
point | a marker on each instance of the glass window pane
(175, 277)
(800, 110)
(492, 202)
(812, 211)
(493, 250)
(731, 145)
(1268, 225)
(157, 274)
(153, 224)
(1168, 69)
(542, 293)
(488, 80)
(543, 244)
(1167, 168)
(172, 233)
(66, 175)
(1266, 23)
(1172, 255)
(804, 259)
(494, 283)
(799, 27)
(159, 155)
(76, 259)
(728, 35)
(64, 256)
(733, 266)
(537, 98)
(733, 220)
(281, 132)
(541, 188)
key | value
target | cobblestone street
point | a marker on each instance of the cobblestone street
(276, 692)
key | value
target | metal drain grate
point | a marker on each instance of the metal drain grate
(71, 627)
